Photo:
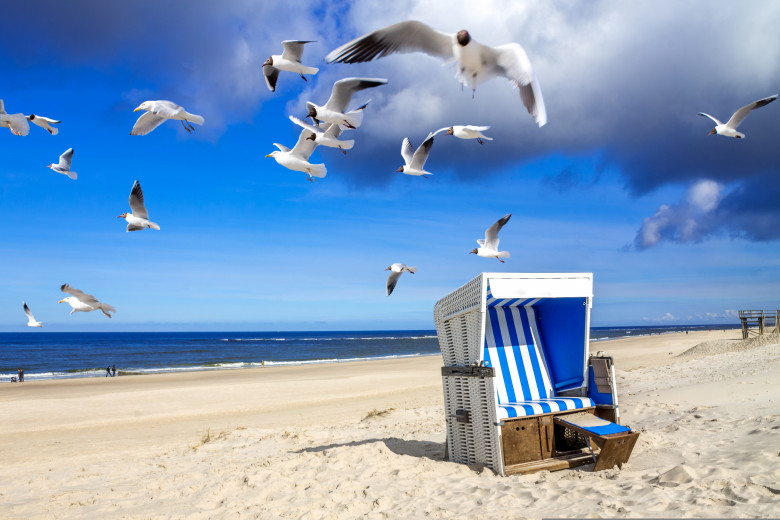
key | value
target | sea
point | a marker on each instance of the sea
(57, 355)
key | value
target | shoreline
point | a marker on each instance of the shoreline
(100, 373)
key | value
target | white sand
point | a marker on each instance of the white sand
(302, 442)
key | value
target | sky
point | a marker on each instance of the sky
(677, 227)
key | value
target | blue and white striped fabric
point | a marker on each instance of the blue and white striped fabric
(513, 348)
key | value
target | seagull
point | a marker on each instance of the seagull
(289, 60)
(396, 270)
(16, 123)
(415, 160)
(298, 158)
(31, 321)
(476, 62)
(139, 218)
(334, 111)
(63, 166)
(730, 128)
(327, 136)
(83, 302)
(488, 248)
(156, 114)
(44, 122)
(466, 132)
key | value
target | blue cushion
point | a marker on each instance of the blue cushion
(540, 406)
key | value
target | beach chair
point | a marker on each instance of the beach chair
(521, 393)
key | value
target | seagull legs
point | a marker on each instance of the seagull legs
(343, 150)
(304, 78)
(497, 258)
(185, 126)
(310, 178)
(480, 141)
(349, 125)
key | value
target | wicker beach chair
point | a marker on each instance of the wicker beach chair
(521, 393)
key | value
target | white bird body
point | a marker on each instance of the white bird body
(63, 166)
(16, 123)
(396, 270)
(289, 60)
(729, 129)
(476, 63)
(297, 158)
(45, 123)
(335, 110)
(414, 160)
(31, 321)
(466, 132)
(157, 112)
(82, 302)
(488, 248)
(326, 136)
(139, 218)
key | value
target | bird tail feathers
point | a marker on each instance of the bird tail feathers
(412, 269)
(354, 117)
(72, 175)
(347, 145)
(317, 170)
(154, 225)
(198, 120)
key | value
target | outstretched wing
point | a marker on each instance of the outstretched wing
(742, 113)
(146, 123)
(408, 36)
(421, 155)
(80, 295)
(707, 115)
(65, 159)
(305, 145)
(407, 152)
(512, 62)
(137, 202)
(491, 234)
(343, 90)
(271, 74)
(293, 49)
(392, 280)
(28, 313)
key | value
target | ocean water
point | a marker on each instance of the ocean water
(52, 355)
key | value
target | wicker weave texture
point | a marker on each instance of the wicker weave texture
(460, 336)
(475, 442)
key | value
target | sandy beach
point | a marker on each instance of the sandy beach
(366, 439)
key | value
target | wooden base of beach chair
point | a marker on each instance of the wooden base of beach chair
(566, 461)
(614, 449)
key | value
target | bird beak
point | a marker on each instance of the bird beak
(61, 301)
(137, 109)
(712, 132)
(400, 169)
(121, 216)
(387, 269)
(269, 155)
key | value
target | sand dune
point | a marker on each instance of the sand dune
(370, 444)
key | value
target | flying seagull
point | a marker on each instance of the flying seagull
(45, 123)
(83, 302)
(31, 321)
(157, 112)
(466, 132)
(476, 62)
(63, 166)
(415, 160)
(730, 128)
(138, 218)
(334, 111)
(327, 135)
(289, 60)
(488, 248)
(16, 123)
(396, 270)
(298, 158)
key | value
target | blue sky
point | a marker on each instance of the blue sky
(677, 226)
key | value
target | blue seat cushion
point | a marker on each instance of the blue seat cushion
(540, 406)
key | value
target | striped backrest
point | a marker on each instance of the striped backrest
(514, 350)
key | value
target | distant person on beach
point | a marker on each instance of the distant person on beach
(21, 375)
(113, 370)
(108, 370)
(262, 363)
